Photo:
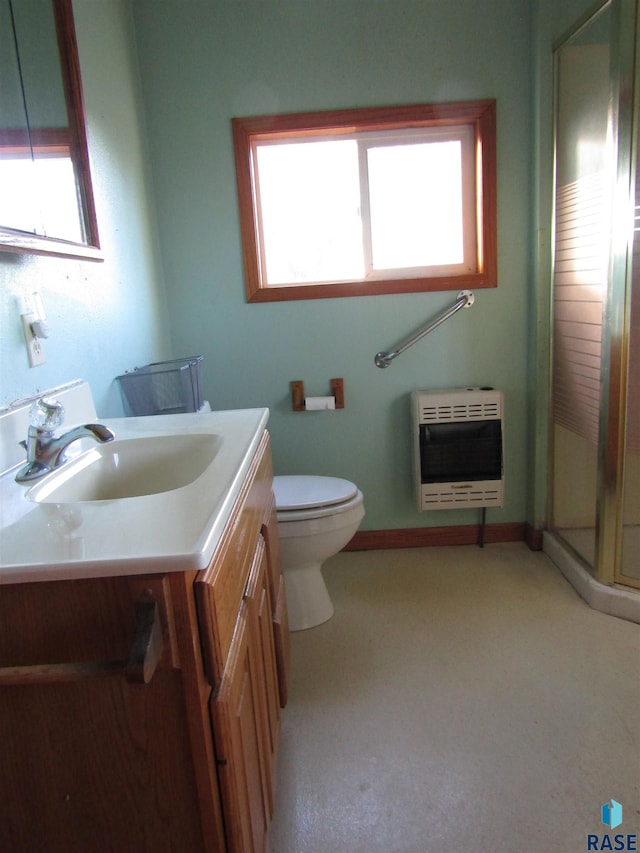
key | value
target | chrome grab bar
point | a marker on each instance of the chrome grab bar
(465, 299)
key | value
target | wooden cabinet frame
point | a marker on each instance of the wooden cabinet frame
(186, 761)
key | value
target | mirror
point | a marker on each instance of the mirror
(46, 204)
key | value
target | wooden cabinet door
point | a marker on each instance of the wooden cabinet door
(238, 732)
(244, 634)
(258, 602)
(282, 644)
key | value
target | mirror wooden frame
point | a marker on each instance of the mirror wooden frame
(25, 242)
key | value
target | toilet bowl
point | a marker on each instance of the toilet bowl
(317, 516)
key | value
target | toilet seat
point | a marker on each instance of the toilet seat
(300, 497)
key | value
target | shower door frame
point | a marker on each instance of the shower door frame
(623, 120)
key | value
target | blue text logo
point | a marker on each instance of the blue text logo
(611, 814)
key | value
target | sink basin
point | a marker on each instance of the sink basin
(129, 468)
(155, 499)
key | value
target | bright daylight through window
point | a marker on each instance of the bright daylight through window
(359, 202)
(40, 191)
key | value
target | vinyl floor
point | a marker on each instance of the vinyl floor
(460, 699)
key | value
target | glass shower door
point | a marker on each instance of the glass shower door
(583, 182)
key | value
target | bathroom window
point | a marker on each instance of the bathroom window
(368, 201)
(39, 193)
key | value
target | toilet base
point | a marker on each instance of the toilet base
(308, 601)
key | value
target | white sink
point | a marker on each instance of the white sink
(129, 468)
(157, 498)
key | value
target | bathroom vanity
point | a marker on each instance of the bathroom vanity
(141, 690)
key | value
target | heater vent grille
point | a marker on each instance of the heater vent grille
(443, 412)
(451, 496)
(458, 448)
(452, 406)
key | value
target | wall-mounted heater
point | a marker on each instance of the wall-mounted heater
(457, 440)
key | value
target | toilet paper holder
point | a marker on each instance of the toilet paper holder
(298, 403)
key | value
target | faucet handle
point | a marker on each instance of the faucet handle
(46, 414)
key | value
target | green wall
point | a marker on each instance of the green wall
(162, 80)
(203, 63)
(103, 317)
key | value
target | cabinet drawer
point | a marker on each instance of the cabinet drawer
(220, 587)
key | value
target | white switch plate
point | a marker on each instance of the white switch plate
(35, 349)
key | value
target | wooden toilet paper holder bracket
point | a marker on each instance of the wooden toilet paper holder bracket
(298, 396)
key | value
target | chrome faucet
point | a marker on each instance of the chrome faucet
(45, 451)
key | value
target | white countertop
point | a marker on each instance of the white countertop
(172, 531)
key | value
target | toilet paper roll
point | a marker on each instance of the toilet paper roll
(319, 404)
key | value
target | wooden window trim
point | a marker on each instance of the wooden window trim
(48, 142)
(481, 114)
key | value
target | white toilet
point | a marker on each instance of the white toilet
(317, 516)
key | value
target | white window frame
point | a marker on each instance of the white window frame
(461, 133)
